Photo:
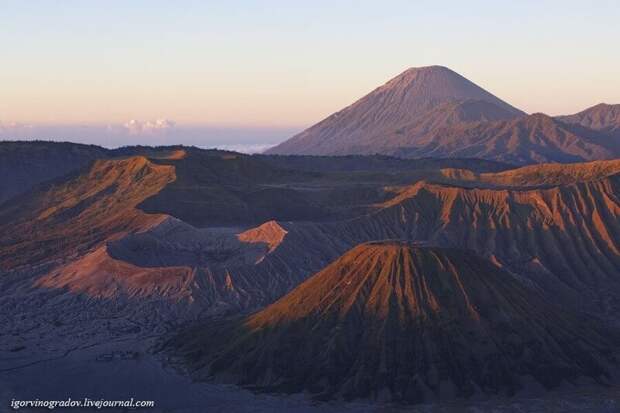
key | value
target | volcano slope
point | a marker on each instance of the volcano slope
(26, 164)
(132, 226)
(130, 244)
(414, 101)
(564, 237)
(74, 215)
(556, 225)
(435, 112)
(395, 321)
(215, 188)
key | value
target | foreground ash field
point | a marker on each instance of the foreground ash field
(342, 271)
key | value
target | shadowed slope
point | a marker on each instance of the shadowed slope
(215, 188)
(62, 220)
(78, 232)
(26, 164)
(399, 322)
(556, 224)
(530, 139)
(601, 117)
(553, 174)
(231, 270)
(421, 127)
(377, 163)
(532, 176)
(563, 237)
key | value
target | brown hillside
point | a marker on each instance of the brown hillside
(395, 321)
(76, 215)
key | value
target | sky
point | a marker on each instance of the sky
(255, 72)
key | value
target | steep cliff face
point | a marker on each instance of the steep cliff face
(396, 321)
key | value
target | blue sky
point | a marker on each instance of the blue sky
(285, 65)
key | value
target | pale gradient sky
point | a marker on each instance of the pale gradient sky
(288, 64)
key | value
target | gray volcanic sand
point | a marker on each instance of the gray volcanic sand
(79, 374)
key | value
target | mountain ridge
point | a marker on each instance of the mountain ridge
(435, 112)
(536, 138)
(602, 117)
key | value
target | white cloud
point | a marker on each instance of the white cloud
(136, 127)
(14, 126)
(246, 147)
(155, 132)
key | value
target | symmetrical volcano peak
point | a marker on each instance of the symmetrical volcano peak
(435, 112)
(394, 105)
(391, 320)
(420, 89)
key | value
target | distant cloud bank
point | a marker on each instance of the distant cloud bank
(247, 148)
(136, 127)
(152, 132)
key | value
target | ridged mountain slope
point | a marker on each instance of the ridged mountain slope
(78, 214)
(536, 138)
(26, 164)
(393, 106)
(601, 117)
(565, 238)
(395, 321)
